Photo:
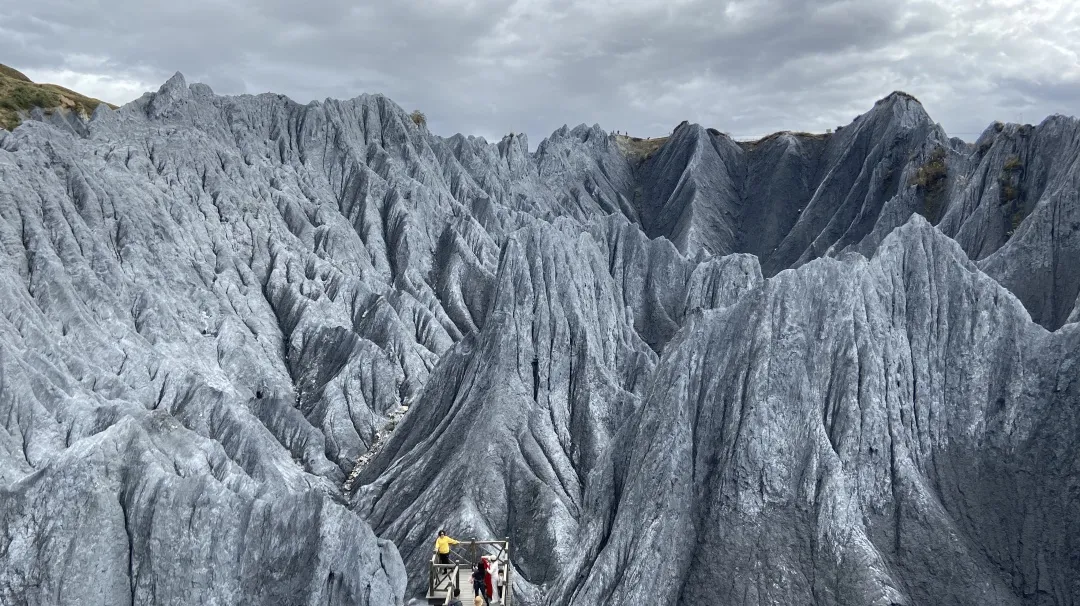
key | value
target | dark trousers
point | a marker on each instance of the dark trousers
(480, 590)
(443, 558)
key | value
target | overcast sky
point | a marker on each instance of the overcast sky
(488, 67)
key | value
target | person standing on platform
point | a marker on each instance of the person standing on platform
(442, 547)
(489, 582)
(479, 580)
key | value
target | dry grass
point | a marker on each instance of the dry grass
(418, 118)
(933, 171)
(1011, 196)
(10, 72)
(1009, 179)
(1009, 192)
(900, 94)
(638, 149)
(931, 179)
(18, 95)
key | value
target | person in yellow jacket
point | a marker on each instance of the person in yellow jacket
(442, 547)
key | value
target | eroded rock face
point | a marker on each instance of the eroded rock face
(642, 372)
(851, 445)
(149, 512)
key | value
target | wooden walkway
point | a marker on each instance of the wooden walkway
(465, 584)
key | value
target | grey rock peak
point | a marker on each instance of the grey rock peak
(823, 369)
(174, 92)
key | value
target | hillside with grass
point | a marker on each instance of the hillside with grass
(19, 94)
(639, 149)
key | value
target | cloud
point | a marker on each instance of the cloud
(487, 67)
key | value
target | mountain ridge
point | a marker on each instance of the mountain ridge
(240, 293)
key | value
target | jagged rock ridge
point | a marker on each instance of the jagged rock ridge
(215, 305)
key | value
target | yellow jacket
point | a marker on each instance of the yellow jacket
(443, 543)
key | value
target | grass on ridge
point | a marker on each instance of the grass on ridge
(18, 95)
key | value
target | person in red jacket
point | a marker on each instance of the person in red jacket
(489, 581)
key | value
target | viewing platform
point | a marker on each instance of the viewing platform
(443, 579)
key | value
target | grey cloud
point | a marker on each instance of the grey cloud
(488, 67)
(1050, 94)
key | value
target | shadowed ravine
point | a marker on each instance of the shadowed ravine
(835, 369)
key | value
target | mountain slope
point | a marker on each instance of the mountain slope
(19, 95)
(851, 445)
(214, 306)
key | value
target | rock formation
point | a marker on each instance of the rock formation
(824, 369)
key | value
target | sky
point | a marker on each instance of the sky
(490, 67)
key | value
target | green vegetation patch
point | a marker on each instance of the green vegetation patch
(1010, 194)
(1009, 179)
(19, 95)
(931, 179)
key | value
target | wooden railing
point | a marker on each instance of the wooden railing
(443, 578)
